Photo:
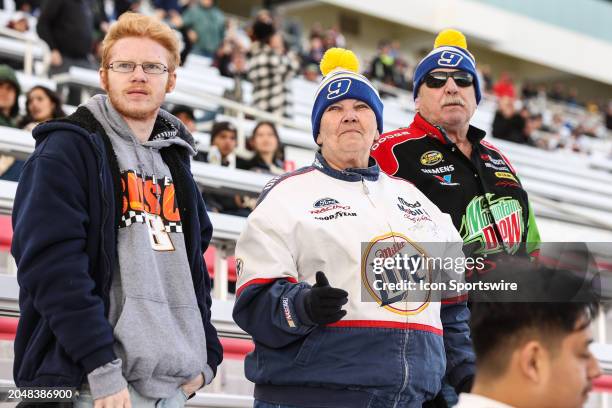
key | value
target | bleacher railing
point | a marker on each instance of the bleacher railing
(196, 95)
(227, 229)
(26, 46)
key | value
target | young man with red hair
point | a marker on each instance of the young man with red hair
(109, 233)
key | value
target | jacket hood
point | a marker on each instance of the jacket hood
(182, 137)
(167, 130)
(41, 131)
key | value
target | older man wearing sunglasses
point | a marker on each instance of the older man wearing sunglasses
(449, 160)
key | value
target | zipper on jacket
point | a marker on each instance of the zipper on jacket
(366, 191)
(406, 370)
(406, 367)
(105, 210)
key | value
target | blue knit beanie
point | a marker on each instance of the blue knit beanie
(341, 81)
(450, 51)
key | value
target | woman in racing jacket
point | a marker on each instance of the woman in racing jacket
(329, 330)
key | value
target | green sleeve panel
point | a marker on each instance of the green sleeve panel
(533, 235)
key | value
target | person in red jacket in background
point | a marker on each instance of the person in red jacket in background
(504, 87)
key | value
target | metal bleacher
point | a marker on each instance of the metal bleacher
(562, 186)
(226, 232)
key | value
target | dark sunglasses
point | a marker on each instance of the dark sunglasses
(438, 79)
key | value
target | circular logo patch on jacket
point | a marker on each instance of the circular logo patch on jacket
(397, 288)
(431, 158)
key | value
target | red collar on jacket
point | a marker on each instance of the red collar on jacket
(430, 130)
(474, 134)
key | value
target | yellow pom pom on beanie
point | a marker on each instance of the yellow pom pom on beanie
(339, 58)
(450, 37)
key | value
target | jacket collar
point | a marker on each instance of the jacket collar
(369, 173)
(474, 135)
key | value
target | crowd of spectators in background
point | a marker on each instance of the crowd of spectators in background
(41, 104)
(390, 67)
(260, 54)
(548, 117)
(268, 51)
(268, 158)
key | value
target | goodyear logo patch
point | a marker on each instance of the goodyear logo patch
(431, 158)
(505, 175)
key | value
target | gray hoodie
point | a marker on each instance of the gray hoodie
(158, 329)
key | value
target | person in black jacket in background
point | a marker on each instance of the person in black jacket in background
(222, 145)
(67, 26)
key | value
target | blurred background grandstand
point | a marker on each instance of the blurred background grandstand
(545, 68)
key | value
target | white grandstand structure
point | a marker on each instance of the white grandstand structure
(571, 193)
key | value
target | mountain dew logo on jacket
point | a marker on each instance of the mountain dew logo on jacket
(478, 221)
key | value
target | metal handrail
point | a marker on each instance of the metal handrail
(595, 221)
(195, 96)
(30, 40)
(221, 312)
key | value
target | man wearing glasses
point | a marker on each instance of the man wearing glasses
(449, 160)
(109, 233)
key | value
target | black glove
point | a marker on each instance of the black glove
(437, 402)
(323, 304)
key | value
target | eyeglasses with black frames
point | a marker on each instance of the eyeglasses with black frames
(155, 68)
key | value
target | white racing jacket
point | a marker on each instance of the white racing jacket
(321, 219)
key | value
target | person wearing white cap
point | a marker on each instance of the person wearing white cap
(323, 337)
